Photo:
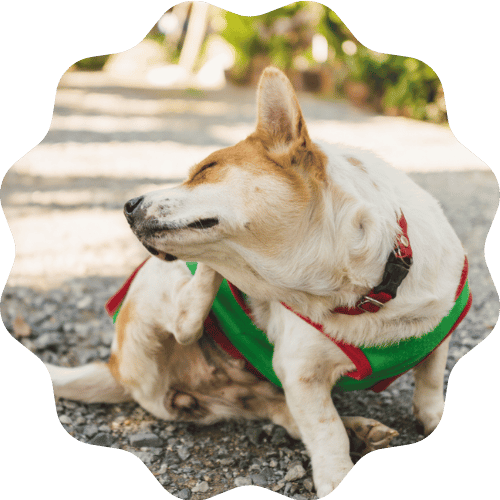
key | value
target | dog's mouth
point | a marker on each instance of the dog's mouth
(203, 223)
(154, 231)
(157, 253)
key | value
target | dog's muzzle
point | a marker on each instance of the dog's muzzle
(135, 212)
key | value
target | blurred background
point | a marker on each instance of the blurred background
(128, 123)
(201, 46)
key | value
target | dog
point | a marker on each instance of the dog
(335, 255)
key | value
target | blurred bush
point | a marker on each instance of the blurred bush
(92, 63)
(391, 84)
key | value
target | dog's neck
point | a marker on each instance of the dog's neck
(338, 253)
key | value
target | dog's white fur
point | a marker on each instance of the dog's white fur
(297, 224)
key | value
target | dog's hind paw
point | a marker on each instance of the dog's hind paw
(367, 434)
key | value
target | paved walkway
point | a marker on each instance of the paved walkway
(109, 142)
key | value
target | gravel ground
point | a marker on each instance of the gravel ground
(63, 203)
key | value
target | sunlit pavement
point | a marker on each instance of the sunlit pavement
(110, 141)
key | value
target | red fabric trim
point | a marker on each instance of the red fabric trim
(405, 251)
(114, 302)
(239, 298)
(219, 337)
(361, 308)
(384, 384)
(463, 278)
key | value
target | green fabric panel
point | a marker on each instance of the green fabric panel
(386, 361)
(393, 359)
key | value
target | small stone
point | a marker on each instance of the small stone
(296, 472)
(184, 494)
(20, 327)
(242, 481)
(145, 456)
(64, 419)
(280, 436)
(268, 429)
(48, 339)
(142, 439)
(308, 484)
(171, 458)
(162, 469)
(278, 486)
(255, 435)
(227, 461)
(183, 453)
(298, 496)
(90, 430)
(102, 439)
(259, 479)
(81, 329)
(165, 479)
(84, 303)
(201, 487)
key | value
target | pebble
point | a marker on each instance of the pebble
(183, 453)
(242, 481)
(202, 487)
(145, 456)
(184, 494)
(255, 435)
(64, 419)
(102, 439)
(145, 439)
(90, 430)
(296, 472)
(48, 339)
(308, 484)
(258, 479)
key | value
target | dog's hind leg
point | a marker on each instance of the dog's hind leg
(92, 383)
(428, 398)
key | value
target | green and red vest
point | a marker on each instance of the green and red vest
(230, 325)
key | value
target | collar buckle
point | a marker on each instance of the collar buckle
(368, 300)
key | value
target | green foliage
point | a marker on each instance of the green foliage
(394, 84)
(92, 63)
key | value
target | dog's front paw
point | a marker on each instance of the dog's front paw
(428, 416)
(326, 481)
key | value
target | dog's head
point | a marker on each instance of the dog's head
(244, 208)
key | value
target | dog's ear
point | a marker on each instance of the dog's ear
(280, 121)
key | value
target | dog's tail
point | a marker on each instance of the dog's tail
(92, 383)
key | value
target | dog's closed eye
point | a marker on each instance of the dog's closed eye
(205, 167)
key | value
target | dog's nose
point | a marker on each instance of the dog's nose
(131, 207)
(132, 204)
